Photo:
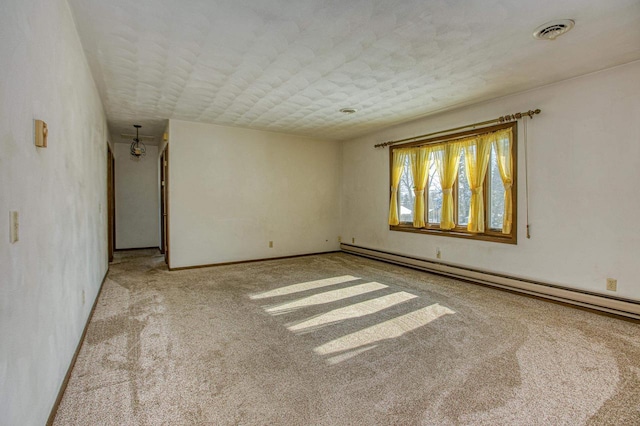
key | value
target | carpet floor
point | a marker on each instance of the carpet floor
(337, 339)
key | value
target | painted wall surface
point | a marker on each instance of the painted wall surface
(137, 201)
(51, 276)
(232, 190)
(584, 169)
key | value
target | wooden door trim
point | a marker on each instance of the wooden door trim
(162, 203)
(111, 203)
(167, 209)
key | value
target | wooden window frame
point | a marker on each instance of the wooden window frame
(460, 231)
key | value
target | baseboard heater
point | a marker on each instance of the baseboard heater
(614, 305)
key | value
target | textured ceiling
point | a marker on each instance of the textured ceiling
(289, 66)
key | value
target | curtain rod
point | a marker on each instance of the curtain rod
(503, 119)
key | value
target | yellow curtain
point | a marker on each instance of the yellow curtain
(502, 144)
(399, 156)
(419, 160)
(447, 157)
(476, 159)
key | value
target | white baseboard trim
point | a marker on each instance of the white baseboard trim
(605, 303)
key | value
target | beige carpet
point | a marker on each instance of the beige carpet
(342, 340)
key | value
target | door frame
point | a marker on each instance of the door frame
(164, 204)
(111, 202)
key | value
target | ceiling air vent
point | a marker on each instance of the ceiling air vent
(553, 29)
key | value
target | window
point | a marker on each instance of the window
(461, 185)
(407, 196)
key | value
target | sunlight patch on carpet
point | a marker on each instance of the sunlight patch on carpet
(389, 329)
(310, 285)
(326, 297)
(386, 323)
(353, 311)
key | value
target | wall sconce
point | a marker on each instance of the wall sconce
(41, 134)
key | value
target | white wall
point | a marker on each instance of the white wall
(584, 169)
(137, 202)
(51, 276)
(232, 190)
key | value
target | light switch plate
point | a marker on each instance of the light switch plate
(41, 134)
(14, 229)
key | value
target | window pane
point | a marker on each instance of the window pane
(464, 193)
(405, 194)
(434, 200)
(496, 192)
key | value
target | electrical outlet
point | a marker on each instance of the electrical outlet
(438, 253)
(83, 299)
(353, 240)
(612, 284)
(270, 244)
(339, 239)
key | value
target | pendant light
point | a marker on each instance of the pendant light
(138, 150)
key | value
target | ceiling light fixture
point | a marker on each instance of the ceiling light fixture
(138, 150)
(553, 29)
(348, 110)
